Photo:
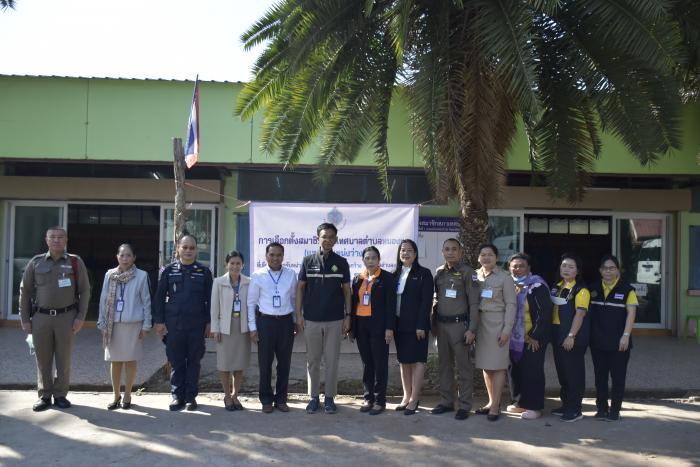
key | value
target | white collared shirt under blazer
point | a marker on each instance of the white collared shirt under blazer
(222, 294)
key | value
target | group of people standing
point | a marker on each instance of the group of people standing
(495, 320)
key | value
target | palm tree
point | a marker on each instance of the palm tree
(469, 71)
(4, 4)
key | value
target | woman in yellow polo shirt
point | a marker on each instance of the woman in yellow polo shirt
(570, 333)
(373, 322)
(613, 309)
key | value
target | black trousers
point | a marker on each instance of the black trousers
(526, 379)
(571, 371)
(185, 349)
(374, 352)
(275, 341)
(613, 364)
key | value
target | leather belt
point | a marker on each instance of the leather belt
(452, 319)
(56, 311)
(275, 316)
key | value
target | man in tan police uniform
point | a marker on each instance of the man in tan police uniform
(456, 317)
(52, 310)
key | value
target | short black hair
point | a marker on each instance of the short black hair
(326, 226)
(129, 246)
(451, 239)
(612, 258)
(520, 255)
(575, 258)
(272, 245)
(371, 248)
(491, 246)
(234, 254)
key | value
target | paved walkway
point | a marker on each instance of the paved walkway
(651, 432)
(659, 366)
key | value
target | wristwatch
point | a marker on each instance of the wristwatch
(572, 336)
(626, 334)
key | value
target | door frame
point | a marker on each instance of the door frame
(10, 248)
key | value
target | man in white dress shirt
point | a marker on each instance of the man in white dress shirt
(272, 293)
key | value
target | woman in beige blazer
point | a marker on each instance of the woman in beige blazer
(229, 327)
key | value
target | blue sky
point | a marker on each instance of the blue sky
(168, 39)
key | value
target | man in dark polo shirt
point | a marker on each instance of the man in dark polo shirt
(456, 315)
(323, 302)
(54, 296)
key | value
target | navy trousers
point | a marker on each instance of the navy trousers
(571, 370)
(526, 379)
(609, 364)
(185, 349)
(275, 341)
(374, 352)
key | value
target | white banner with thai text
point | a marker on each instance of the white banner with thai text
(359, 226)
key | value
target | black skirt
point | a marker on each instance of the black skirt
(411, 350)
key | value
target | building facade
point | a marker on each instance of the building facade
(95, 155)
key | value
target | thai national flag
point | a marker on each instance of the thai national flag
(192, 148)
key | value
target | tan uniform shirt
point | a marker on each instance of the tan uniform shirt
(498, 294)
(462, 280)
(41, 282)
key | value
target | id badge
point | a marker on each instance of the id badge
(487, 293)
(451, 293)
(237, 306)
(65, 282)
(120, 306)
(365, 299)
(276, 301)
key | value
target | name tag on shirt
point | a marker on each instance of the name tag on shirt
(450, 293)
(365, 299)
(619, 296)
(487, 293)
(276, 301)
(120, 306)
(237, 306)
(65, 282)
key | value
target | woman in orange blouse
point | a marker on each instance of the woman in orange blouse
(373, 321)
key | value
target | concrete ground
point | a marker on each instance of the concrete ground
(651, 432)
(659, 367)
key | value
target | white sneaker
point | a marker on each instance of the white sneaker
(531, 414)
(512, 408)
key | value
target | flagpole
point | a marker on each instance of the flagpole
(180, 209)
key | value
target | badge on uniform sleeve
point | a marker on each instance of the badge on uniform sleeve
(64, 282)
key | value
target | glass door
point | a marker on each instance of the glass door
(641, 246)
(28, 224)
(506, 232)
(200, 222)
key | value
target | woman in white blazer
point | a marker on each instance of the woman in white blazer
(229, 327)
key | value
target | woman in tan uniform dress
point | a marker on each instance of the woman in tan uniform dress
(496, 318)
(229, 327)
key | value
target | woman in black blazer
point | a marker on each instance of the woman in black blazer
(373, 321)
(414, 302)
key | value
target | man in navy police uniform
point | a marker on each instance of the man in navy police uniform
(181, 315)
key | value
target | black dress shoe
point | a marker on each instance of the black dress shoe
(438, 409)
(482, 411)
(192, 406)
(601, 415)
(42, 404)
(126, 405)
(377, 409)
(462, 414)
(411, 411)
(492, 417)
(61, 402)
(114, 404)
(366, 407)
(176, 405)
(399, 408)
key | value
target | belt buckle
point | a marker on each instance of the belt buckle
(52, 312)
(456, 318)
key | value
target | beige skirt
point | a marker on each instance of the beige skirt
(233, 352)
(125, 345)
(489, 355)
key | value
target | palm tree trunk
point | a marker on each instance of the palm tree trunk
(474, 229)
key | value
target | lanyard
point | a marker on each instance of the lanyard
(121, 291)
(275, 281)
(236, 288)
